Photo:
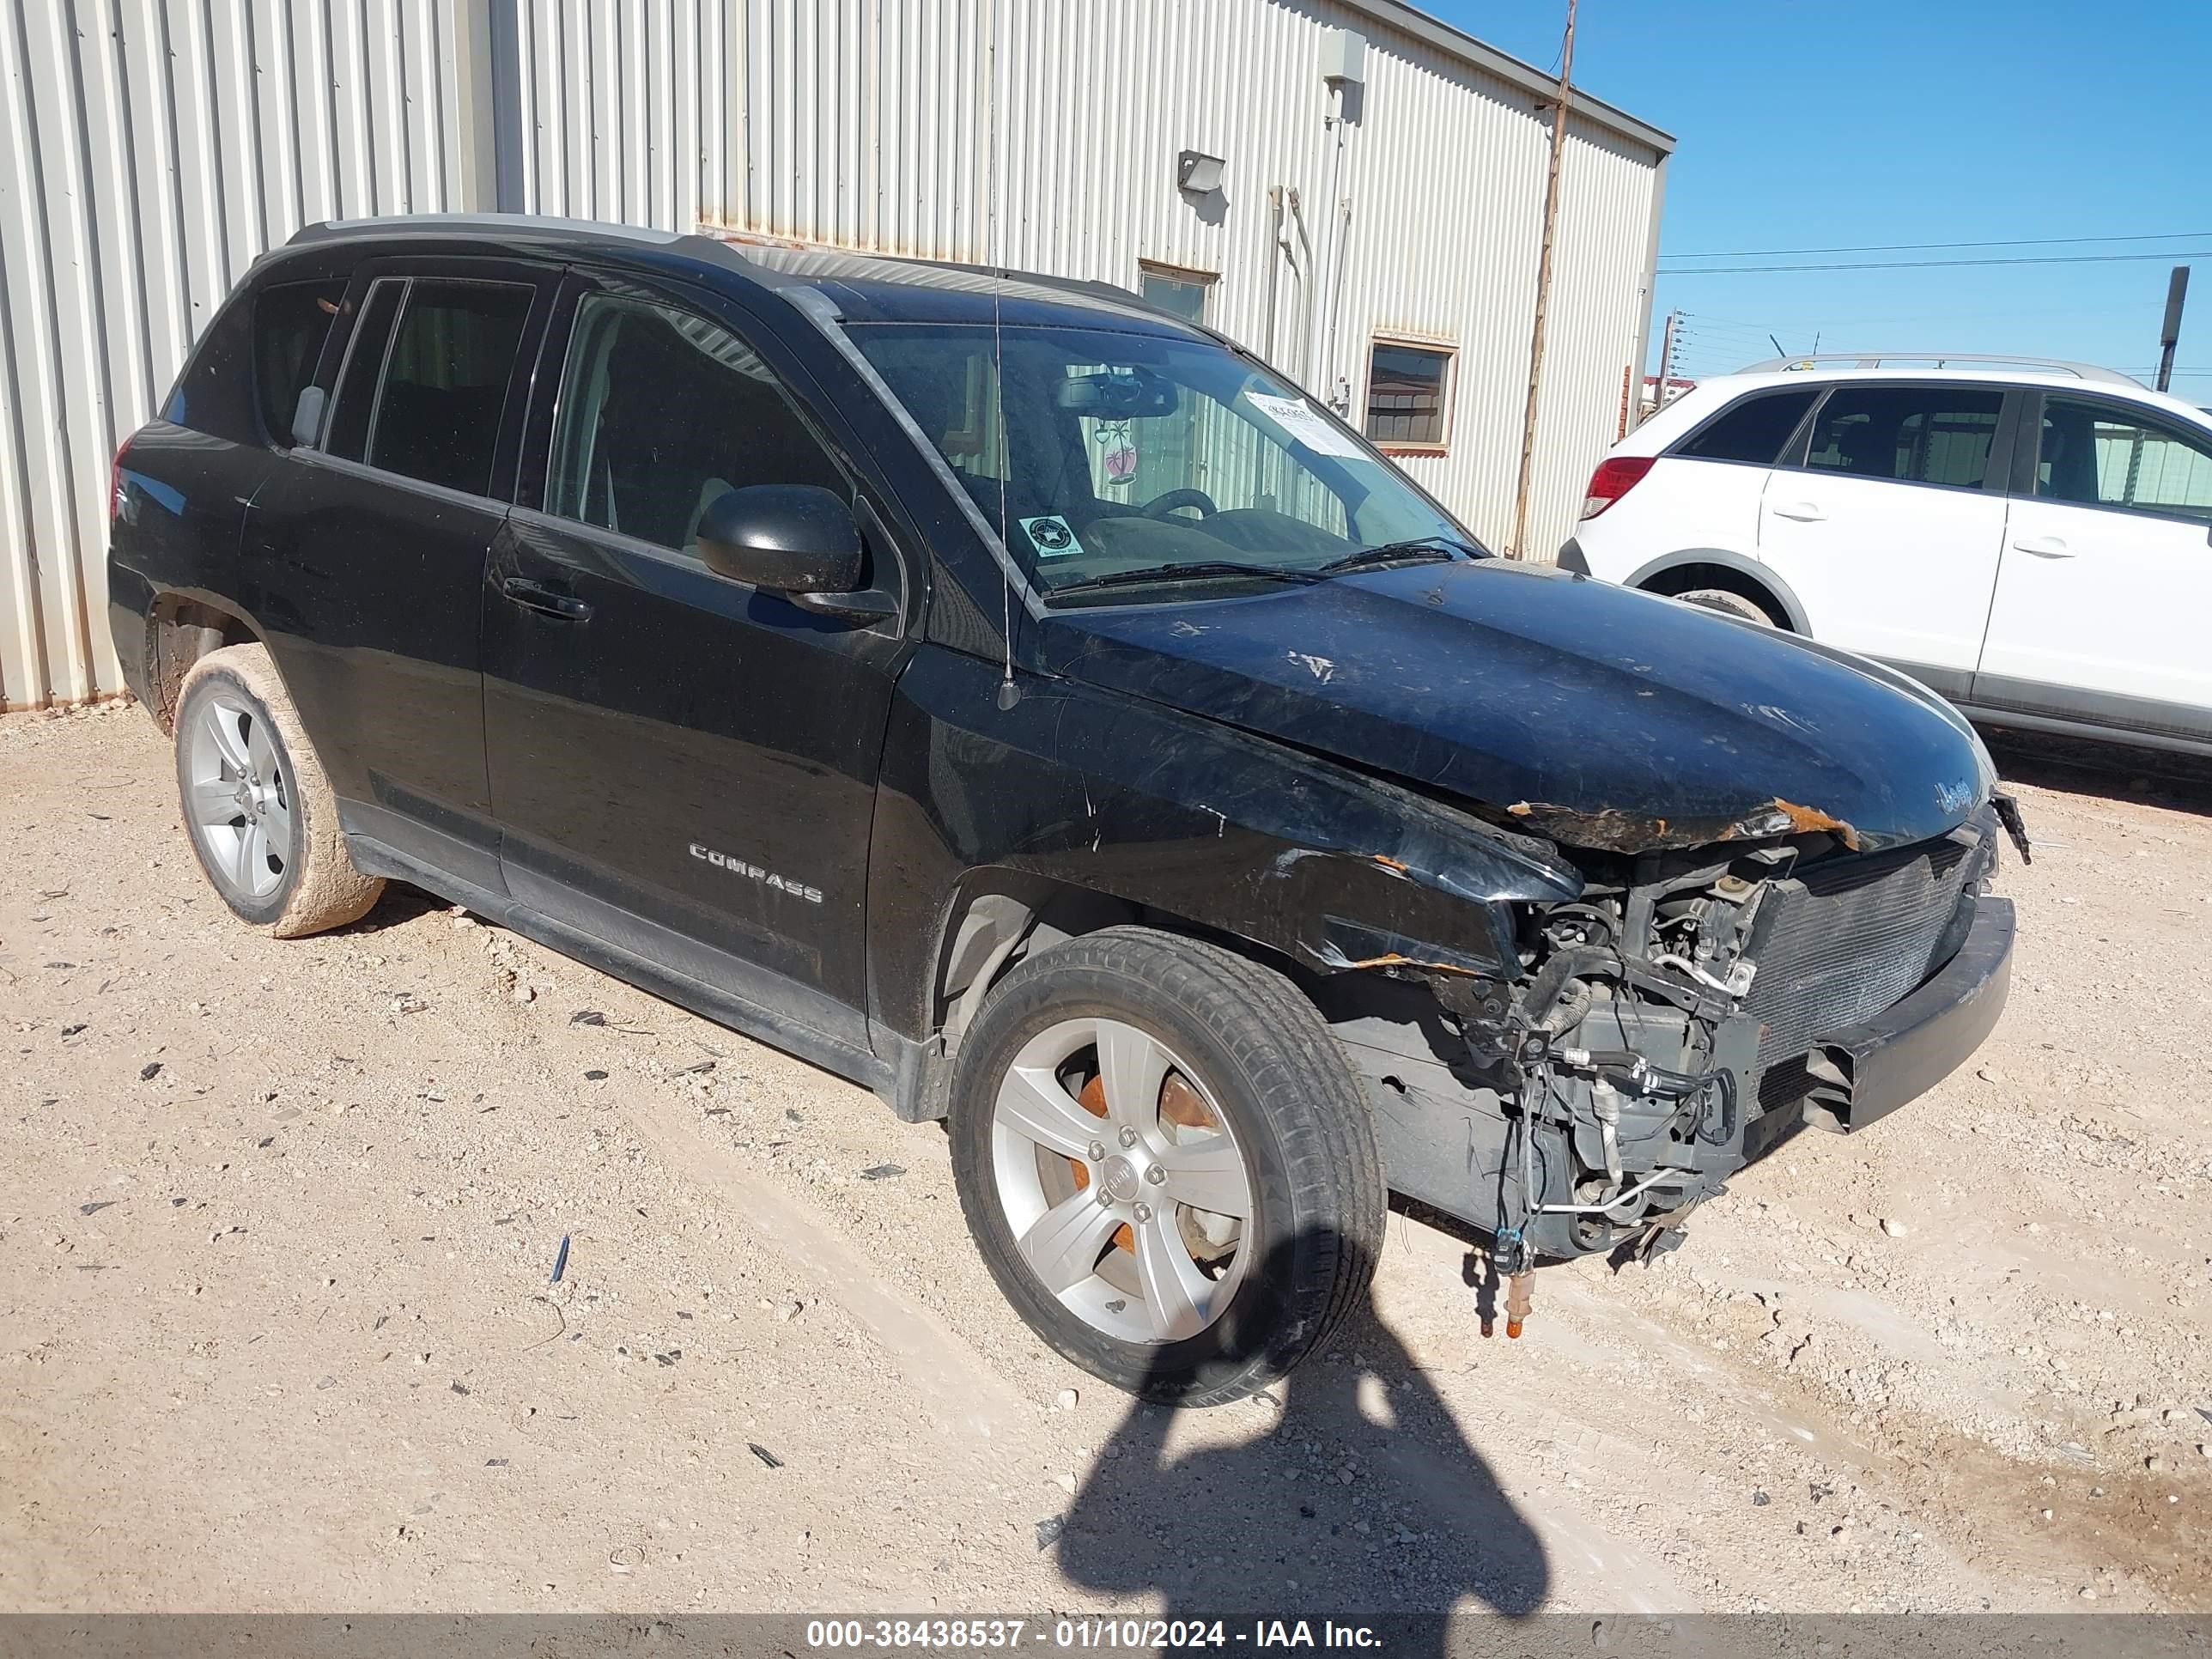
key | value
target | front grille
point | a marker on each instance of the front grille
(1844, 941)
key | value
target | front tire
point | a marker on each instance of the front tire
(261, 815)
(1167, 1164)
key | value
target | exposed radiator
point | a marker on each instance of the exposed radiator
(1842, 942)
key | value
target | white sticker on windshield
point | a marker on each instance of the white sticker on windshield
(1051, 536)
(1304, 425)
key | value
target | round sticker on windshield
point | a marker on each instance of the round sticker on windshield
(1051, 536)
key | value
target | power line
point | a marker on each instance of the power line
(1935, 264)
(1930, 248)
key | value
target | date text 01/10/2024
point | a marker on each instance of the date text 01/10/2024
(1135, 1635)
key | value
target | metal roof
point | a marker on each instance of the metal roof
(1459, 43)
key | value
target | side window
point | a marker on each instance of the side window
(1937, 434)
(290, 322)
(2103, 455)
(347, 434)
(1753, 429)
(662, 411)
(1407, 394)
(444, 382)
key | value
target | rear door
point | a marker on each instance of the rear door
(365, 558)
(189, 474)
(1886, 519)
(1704, 493)
(683, 765)
(2105, 589)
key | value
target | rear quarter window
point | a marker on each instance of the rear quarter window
(244, 377)
(291, 320)
(1753, 430)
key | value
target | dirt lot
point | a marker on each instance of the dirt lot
(275, 1331)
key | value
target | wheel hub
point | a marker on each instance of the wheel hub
(1118, 1177)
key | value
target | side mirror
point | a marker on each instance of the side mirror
(788, 538)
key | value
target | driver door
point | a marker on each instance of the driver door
(682, 765)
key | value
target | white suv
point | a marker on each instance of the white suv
(2033, 542)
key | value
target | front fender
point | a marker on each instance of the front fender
(1090, 789)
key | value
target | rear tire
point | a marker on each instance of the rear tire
(1229, 1088)
(261, 816)
(1735, 604)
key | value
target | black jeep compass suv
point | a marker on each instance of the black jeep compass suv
(1030, 705)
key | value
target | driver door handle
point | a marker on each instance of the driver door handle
(547, 601)
(2044, 547)
(1803, 512)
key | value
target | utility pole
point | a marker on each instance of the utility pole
(1666, 362)
(1543, 286)
(2169, 335)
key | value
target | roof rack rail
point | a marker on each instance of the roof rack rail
(1939, 359)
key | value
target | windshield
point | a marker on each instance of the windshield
(1126, 454)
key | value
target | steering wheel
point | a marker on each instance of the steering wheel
(1160, 506)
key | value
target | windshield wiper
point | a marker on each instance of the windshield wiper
(1194, 568)
(1428, 550)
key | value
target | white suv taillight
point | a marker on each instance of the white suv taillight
(1615, 477)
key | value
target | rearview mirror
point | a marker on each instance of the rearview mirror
(1136, 393)
(787, 539)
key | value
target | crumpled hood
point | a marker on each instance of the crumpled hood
(1584, 712)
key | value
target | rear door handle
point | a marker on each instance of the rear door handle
(1803, 512)
(2044, 547)
(547, 601)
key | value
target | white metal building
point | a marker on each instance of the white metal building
(1368, 219)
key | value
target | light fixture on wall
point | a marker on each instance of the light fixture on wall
(1198, 173)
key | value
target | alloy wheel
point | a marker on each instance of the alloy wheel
(238, 797)
(1121, 1181)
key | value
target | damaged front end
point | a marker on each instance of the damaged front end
(1604, 897)
(1691, 1008)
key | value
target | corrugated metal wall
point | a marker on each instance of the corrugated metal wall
(153, 148)
(878, 123)
(149, 149)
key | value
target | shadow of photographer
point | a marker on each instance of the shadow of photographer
(1361, 1498)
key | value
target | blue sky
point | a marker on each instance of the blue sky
(1857, 122)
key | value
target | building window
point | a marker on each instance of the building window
(1182, 292)
(1408, 389)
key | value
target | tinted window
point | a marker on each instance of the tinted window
(2103, 455)
(290, 324)
(347, 432)
(1406, 395)
(1754, 429)
(662, 411)
(1937, 434)
(444, 382)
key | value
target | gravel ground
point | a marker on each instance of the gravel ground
(277, 1222)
